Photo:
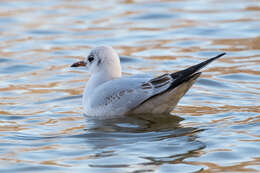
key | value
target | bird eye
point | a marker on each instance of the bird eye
(90, 58)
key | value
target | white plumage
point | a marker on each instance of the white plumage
(107, 93)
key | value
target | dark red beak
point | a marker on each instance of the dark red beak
(79, 64)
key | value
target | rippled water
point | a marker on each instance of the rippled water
(215, 127)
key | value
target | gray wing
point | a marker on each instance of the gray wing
(124, 94)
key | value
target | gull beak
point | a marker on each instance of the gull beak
(79, 64)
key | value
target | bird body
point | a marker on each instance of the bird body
(108, 94)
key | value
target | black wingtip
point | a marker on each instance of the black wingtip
(224, 53)
(218, 56)
(191, 70)
(204, 63)
(184, 75)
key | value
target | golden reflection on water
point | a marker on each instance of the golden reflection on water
(240, 167)
(240, 44)
(41, 120)
(201, 110)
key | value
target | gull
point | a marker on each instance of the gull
(109, 94)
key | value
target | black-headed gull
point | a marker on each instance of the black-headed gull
(107, 93)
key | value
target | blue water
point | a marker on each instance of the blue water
(214, 128)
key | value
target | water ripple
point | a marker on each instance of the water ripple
(215, 127)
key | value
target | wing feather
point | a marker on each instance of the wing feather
(124, 94)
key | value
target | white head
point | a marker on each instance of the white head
(104, 60)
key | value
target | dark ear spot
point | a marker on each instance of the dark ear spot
(99, 61)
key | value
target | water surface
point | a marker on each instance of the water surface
(215, 127)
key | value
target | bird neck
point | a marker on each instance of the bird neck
(98, 79)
